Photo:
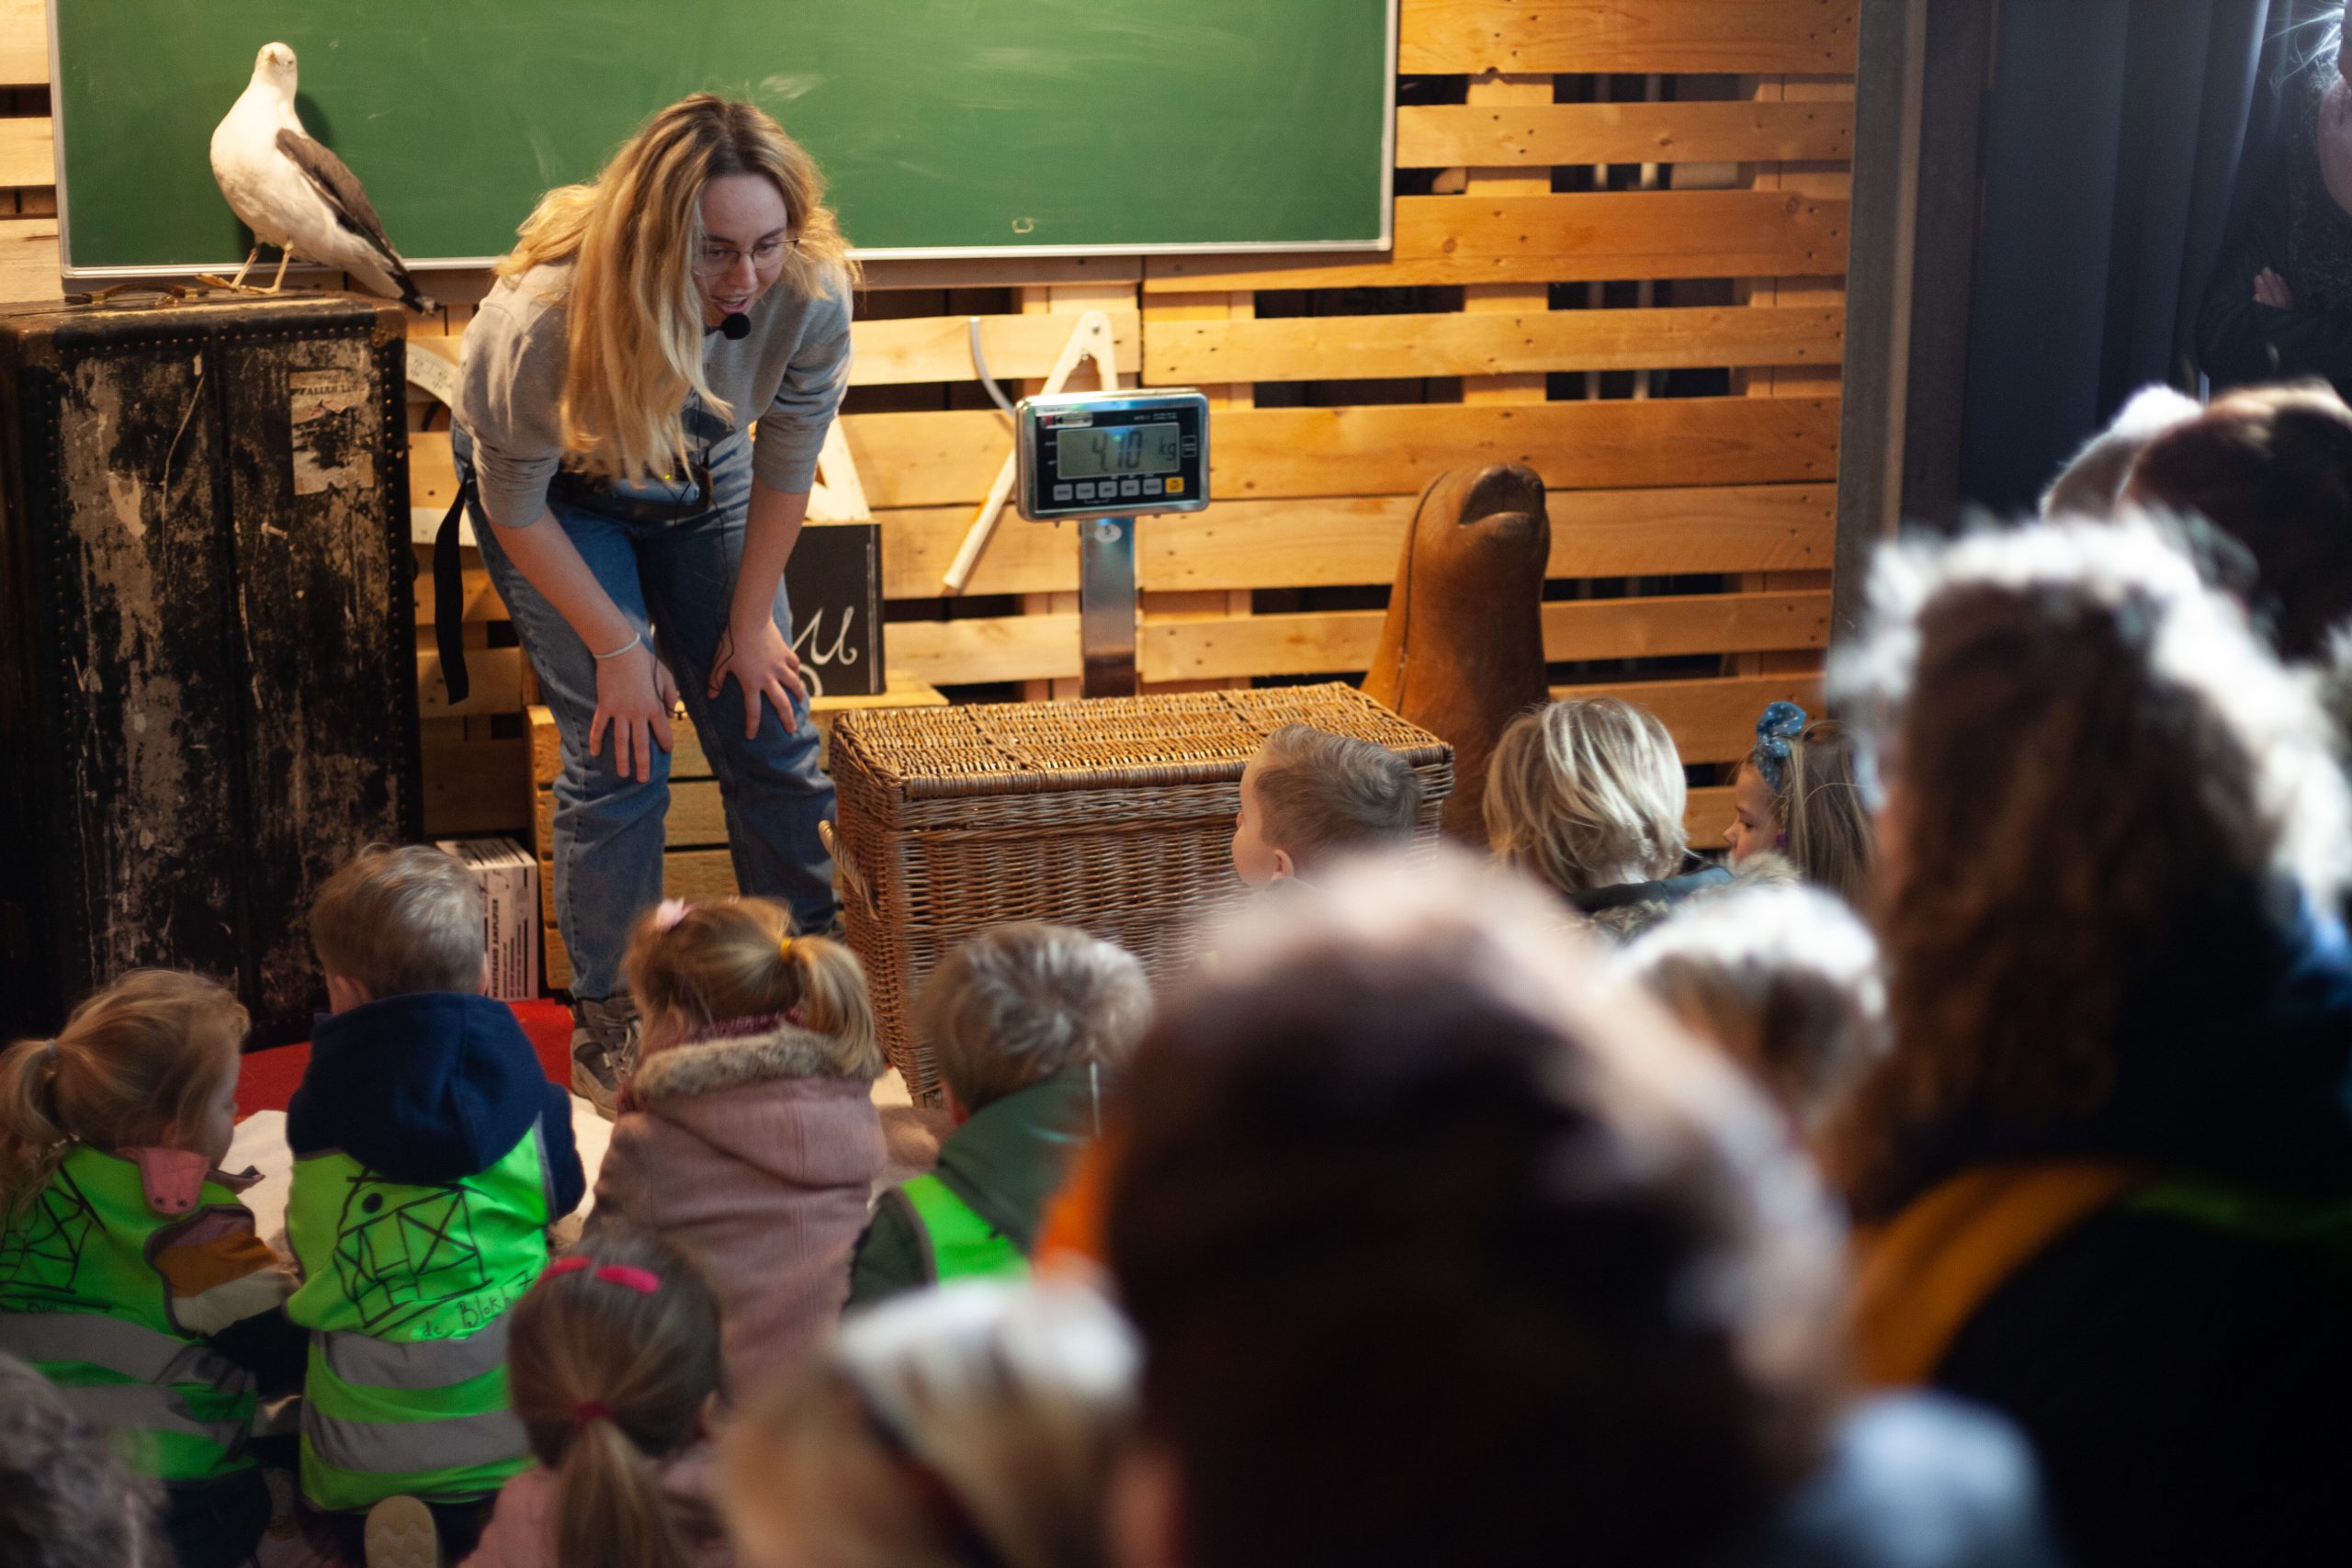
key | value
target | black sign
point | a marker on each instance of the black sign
(834, 584)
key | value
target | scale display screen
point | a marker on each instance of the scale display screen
(1134, 450)
(1113, 453)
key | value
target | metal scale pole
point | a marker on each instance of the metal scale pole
(1106, 606)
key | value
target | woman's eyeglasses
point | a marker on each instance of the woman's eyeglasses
(718, 261)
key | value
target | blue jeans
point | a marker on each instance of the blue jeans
(674, 581)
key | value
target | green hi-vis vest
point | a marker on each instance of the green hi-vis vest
(405, 1291)
(80, 1302)
(963, 1245)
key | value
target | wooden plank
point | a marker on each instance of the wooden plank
(1341, 642)
(944, 459)
(1712, 720)
(496, 674)
(1314, 348)
(475, 786)
(1000, 272)
(1705, 815)
(1013, 648)
(29, 264)
(1739, 37)
(1596, 235)
(939, 349)
(24, 45)
(480, 599)
(1441, 136)
(27, 153)
(1355, 541)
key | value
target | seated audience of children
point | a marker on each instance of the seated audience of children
(431, 1155)
(1587, 796)
(613, 1368)
(1785, 980)
(1025, 1022)
(1794, 794)
(748, 1133)
(66, 1498)
(1308, 797)
(970, 1426)
(2104, 1168)
(1444, 1248)
(129, 1272)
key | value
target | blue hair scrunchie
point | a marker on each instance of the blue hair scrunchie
(1782, 723)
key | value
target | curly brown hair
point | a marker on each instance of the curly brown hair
(2083, 745)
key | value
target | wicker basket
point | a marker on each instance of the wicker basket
(1114, 816)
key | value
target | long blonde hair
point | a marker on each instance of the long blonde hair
(634, 328)
(738, 958)
(610, 1378)
(1587, 793)
(146, 1053)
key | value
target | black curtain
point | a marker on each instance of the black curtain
(2113, 137)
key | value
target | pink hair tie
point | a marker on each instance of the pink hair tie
(644, 1281)
(669, 912)
(589, 1410)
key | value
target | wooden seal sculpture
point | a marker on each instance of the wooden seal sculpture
(1462, 651)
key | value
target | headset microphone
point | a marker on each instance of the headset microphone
(735, 326)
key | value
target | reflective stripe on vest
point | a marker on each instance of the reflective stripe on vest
(406, 1289)
(80, 1302)
(962, 1244)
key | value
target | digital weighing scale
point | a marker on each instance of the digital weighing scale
(1106, 459)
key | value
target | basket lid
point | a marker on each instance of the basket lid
(1167, 738)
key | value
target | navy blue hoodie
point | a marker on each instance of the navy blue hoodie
(432, 1086)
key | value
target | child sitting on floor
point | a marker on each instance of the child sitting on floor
(1784, 980)
(748, 1132)
(1586, 795)
(129, 1272)
(1025, 1021)
(614, 1369)
(1308, 795)
(1794, 794)
(431, 1153)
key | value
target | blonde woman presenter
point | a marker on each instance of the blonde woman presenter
(608, 386)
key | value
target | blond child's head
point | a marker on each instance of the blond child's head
(693, 966)
(149, 1062)
(397, 919)
(1588, 792)
(1309, 796)
(977, 1423)
(1018, 1004)
(1785, 980)
(1795, 793)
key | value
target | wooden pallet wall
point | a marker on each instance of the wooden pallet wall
(1604, 210)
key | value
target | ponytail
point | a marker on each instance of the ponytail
(138, 1058)
(700, 963)
(613, 1359)
(31, 1143)
(610, 1506)
(833, 1003)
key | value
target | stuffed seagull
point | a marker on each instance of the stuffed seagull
(296, 195)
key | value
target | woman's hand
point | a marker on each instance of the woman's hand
(2271, 289)
(634, 697)
(765, 666)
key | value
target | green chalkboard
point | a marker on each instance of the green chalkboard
(986, 127)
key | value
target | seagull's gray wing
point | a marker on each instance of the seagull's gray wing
(333, 180)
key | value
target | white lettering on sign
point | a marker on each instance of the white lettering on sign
(815, 656)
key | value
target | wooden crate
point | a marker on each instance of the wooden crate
(696, 864)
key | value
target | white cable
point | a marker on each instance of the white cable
(981, 366)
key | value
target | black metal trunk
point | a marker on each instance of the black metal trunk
(208, 690)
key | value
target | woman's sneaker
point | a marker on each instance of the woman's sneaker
(401, 1535)
(604, 1050)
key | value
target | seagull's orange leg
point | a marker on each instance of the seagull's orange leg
(284, 255)
(239, 281)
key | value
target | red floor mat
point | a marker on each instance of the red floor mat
(269, 1078)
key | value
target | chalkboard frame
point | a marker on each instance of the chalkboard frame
(1382, 242)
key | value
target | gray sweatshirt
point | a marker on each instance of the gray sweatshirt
(789, 373)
